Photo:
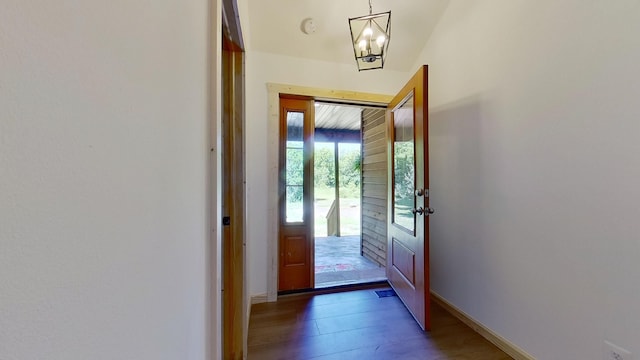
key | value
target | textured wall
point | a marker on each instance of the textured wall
(534, 170)
(374, 186)
(103, 165)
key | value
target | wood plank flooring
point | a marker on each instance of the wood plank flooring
(358, 325)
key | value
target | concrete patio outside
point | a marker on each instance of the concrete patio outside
(338, 262)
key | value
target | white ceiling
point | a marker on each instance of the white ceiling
(275, 27)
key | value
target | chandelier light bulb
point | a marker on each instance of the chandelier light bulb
(363, 44)
(380, 40)
(367, 32)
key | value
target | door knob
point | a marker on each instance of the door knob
(418, 211)
(421, 192)
(429, 211)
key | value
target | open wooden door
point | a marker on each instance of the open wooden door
(408, 221)
(296, 242)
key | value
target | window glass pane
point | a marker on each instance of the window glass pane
(403, 166)
(294, 174)
(294, 126)
(295, 166)
(294, 204)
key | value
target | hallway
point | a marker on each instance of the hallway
(358, 324)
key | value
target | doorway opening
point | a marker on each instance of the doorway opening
(349, 247)
(293, 241)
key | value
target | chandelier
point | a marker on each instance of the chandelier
(370, 35)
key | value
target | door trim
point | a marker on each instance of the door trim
(234, 303)
(273, 93)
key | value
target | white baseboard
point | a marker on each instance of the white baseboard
(258, 299)
(503, 344)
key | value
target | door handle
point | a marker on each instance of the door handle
(421, 192)
(420, 211)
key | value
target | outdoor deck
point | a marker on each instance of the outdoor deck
(338, 262)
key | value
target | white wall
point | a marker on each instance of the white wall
(535, 144)
(263, 68)
(104, 158)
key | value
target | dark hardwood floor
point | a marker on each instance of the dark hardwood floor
(358, 325)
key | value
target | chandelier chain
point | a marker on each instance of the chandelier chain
(370, 8)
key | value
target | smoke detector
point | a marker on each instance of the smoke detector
(308, 26)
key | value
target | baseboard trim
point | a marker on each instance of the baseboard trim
(258, 299)
(503, 344)
(245, 338)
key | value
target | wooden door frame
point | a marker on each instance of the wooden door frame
(273, 137)
(235, 321)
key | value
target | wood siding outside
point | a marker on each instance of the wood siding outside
(374, 186)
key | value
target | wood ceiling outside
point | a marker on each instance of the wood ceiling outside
(338, 117)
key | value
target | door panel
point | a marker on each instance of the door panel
(296, 243)
(295, 248)
(404, 261)
(408, 225)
